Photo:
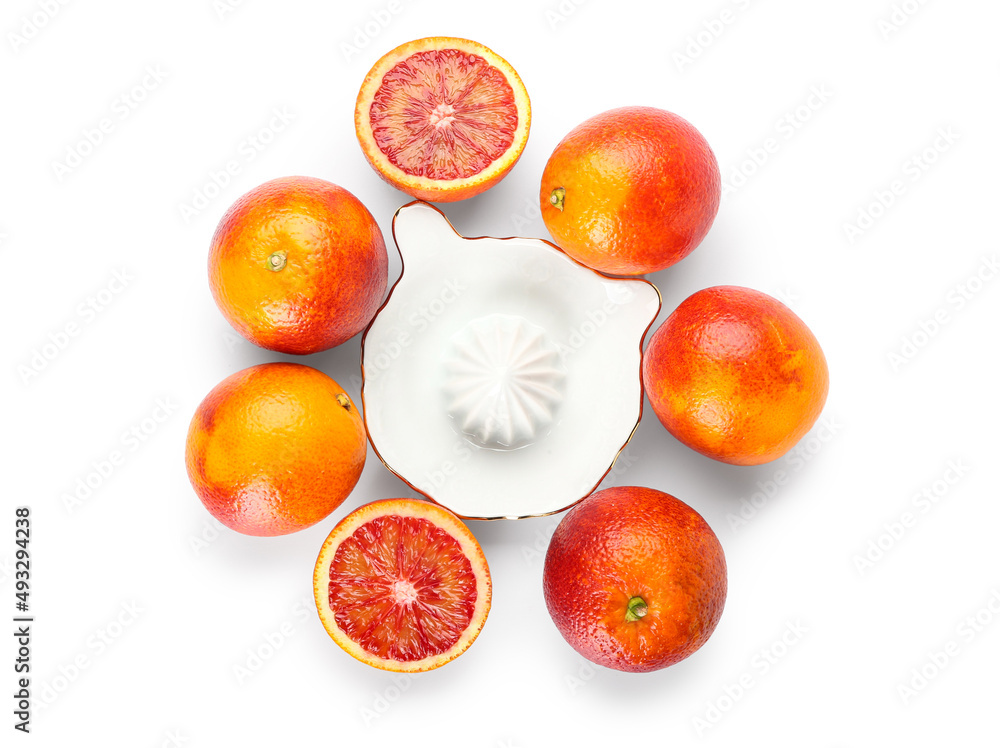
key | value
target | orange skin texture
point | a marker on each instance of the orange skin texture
(275, 448)
(642, 188)
(335, 272)
(627, 542)
(734, 374)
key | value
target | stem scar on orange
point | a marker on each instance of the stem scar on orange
(275, 448)
(442, 118)
(631, 191)
(402, 585)
(634, 579)
(298, 265)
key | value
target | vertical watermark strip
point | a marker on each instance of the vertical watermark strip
(22, 619)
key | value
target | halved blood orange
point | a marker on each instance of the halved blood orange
(441, 118)
(402, 585)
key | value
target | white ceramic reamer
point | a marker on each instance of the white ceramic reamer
(501, 378)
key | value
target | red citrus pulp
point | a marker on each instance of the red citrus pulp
(402, 585)
(442, 118)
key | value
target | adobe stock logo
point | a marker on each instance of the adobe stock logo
(938, 659)
(31, 25)
(921, 503)
(761, 663)
(710, 32)
(249, 148)
(102, 468)
(793, 462)
(122, 106)
(223, 8)
(272, 641)
(786, 127)
(956, 299)
(899, 17)
(912, 171)
(366, 32)
(559, 14)
(383, 701)
(85, 313)
(102, 639)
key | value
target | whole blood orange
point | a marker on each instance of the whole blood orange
(631, 191)
(402, 585)
(442, 118)
(734, 374)
(275, 448)
(634, 579)
(298, 265)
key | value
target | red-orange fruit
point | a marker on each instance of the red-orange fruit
(442, 118)
(298, 265)
(275, 448)
(634, 579)
(631, 191)
(402, 585)
(734, 374)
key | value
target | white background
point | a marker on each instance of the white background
(842, 636)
